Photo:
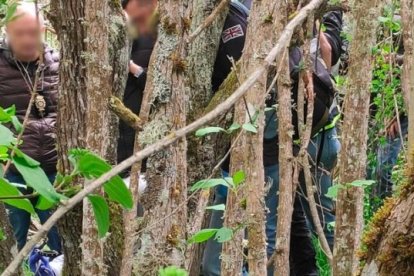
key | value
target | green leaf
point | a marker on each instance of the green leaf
(250, 128)
(219, 207)
(5, 117)
(334, 190)
(16, 124)
(92, 166)
(224, 234)
(36, 178)
(10, 12)
(233, 127)
(238, 178)
(204, 131)
(7, 190)
(172, 271)
(44, 204)
(101, 212)
(30, 162)
(202, 235)
(6, 136)
(210, 183)
(362, 183)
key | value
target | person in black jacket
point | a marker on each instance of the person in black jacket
(140, 55)
(20, 58)
(323, 149)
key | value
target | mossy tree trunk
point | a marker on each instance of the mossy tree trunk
(388, 244)
(247, 154)
(353, 158)
(163, 238)
(202, 154)
(94, 58)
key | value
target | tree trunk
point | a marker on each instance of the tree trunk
(247, 154)
(93, 68)
(388, 243)
(352, 164)
(202, 154)
(407, 16)
(8, 243)
(261, 36)
(285, 208)
(163, 236)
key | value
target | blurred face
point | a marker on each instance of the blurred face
(23, 36)
(140, 14)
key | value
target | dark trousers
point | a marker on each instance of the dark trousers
(20, 219)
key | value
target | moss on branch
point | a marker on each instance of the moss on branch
(124, 113)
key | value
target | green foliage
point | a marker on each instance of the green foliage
(322, 261)
(35, 177)
(85, 163)
(92, 166)
(7, 10)
(334, 190)
(222, 235)
(219, 207)
(208, 130)
(8, 190)
(238, 178)
(210, 183)
(202, 235)
(250, 127)
(101, 211)
(172, 271)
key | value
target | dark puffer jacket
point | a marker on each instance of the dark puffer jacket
(39, 135)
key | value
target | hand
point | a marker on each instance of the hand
(135, 69)
(309, 89)
(393, 129)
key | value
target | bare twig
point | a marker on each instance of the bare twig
(208, 21)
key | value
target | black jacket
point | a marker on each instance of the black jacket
(39, 138)
(140, 55)
(333, 28)
(230, 45)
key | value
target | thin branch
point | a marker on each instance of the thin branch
(314, 211)
(19, 197)
(208, 21)
(124, 113)
(276, 51)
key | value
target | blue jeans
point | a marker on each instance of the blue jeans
(323, 150)
(301, 246)
(20, 219)
(387, 156)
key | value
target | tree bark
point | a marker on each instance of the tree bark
(285, 208)
(262, 33)
(163, 244)
(93, 68)
(8, 244)
(202, 154)
(407, 17)
(352, 164)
